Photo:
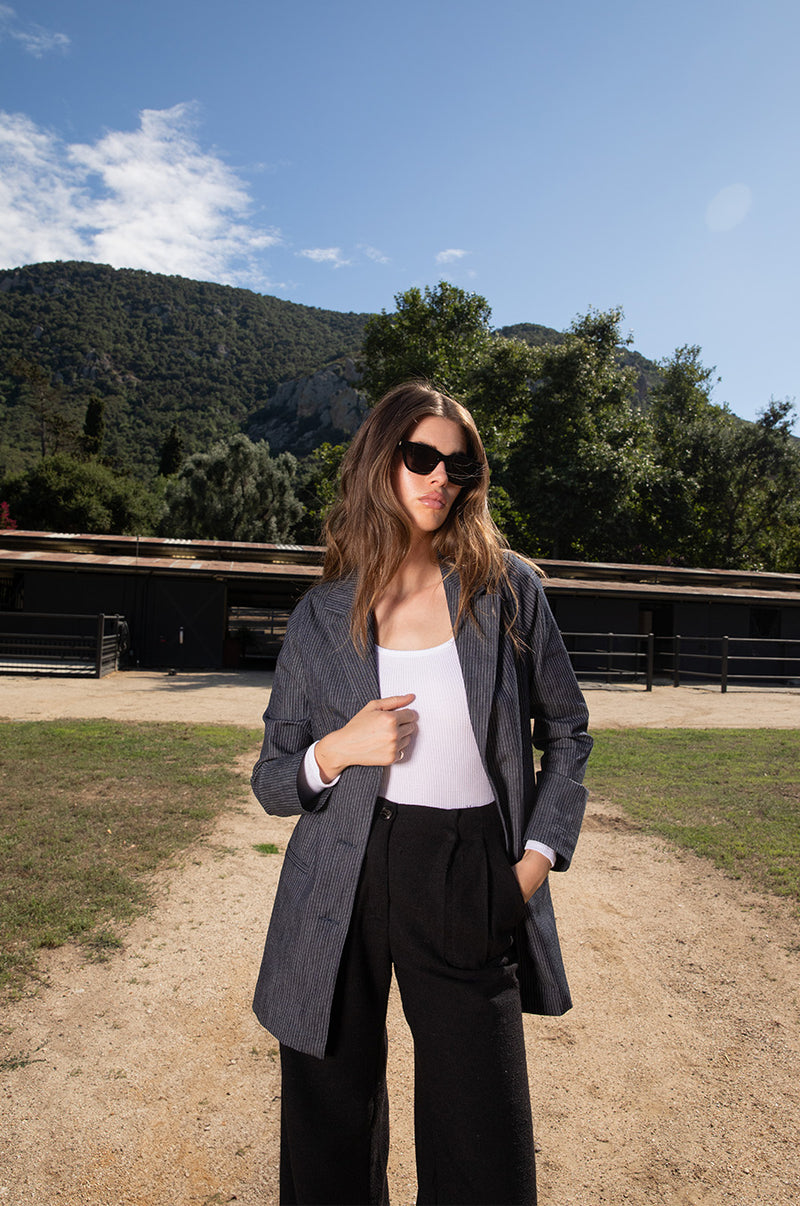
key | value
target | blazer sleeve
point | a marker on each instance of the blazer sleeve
(287, 732)
(560, 720)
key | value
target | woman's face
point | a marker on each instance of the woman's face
(427, 498)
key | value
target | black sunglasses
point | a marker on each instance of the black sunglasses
(461, 469)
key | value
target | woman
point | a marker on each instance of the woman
(399, 730)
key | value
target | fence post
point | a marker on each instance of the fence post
(651, 642)
(723, 682)
(98, 653)
(676, 669)
(609, 656)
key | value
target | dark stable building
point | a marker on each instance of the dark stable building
(192, 605)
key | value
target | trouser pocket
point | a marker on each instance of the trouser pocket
(483, 900)
(506, 902)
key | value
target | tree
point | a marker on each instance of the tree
(440, 335)
(683, 421)
(682, 395)
(727, 492)
(576, 464)
(499, 395)
(747, 504)
(235, 491)
(171, 453)
(94, 426)
(55, 425)
(62, 494)
(317, 478)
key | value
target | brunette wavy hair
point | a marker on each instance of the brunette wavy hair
(367, 532)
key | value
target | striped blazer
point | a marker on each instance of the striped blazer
(321, 681)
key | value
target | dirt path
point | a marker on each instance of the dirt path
(240, 698)
(146, 1080)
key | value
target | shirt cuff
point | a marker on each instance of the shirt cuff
(547, 851)
(309, 780)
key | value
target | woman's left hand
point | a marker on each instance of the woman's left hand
(531, 871)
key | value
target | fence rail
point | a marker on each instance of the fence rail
(79, 646)
(258, 633)
(643, 657)
(91, 645)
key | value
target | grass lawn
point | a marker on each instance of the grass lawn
(732, 795)
(88, 810)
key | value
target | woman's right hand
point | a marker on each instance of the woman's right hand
(374, 737)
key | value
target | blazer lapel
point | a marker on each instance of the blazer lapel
(477, 652)
(360, 671)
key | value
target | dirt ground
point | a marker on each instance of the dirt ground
(146, 1081)
(240, 698)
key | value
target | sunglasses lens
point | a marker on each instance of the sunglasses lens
(420, 458)
(423, 458)
(461, 470)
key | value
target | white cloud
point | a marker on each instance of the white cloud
(372, 253)
(729, 207)
(451, 255)
(33, 38)
(149, 198)
(40, 197)
(325, 255)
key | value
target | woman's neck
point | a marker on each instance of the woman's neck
(412, 613)
(418, 571)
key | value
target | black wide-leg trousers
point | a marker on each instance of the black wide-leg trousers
(439, 901)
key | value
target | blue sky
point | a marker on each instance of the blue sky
(551, 157)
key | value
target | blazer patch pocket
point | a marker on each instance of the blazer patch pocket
(296, 876)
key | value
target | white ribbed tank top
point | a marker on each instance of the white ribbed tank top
(441, 767)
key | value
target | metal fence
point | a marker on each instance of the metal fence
(257, 633)
(90, 646)
(79, 646)
(636, 657)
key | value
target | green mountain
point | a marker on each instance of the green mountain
(531, 333)
(161, 351)
(169, 355)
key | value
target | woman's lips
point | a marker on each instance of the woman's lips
(435, 501)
